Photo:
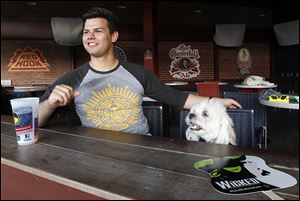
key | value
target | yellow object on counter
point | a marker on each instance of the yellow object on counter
(279, 99)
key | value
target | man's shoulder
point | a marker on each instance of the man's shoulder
(134, 68)
(126, 64)
(79, 70)
(82, 67)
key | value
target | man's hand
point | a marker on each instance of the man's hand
(230, 103)
(61, 96)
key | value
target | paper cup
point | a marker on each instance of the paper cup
(25, 114)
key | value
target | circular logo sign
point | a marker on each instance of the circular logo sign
(119, 53)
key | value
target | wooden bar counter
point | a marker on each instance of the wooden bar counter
(71, 162)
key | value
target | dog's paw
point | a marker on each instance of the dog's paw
(191, 137)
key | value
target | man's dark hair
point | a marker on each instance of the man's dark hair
(95, 12)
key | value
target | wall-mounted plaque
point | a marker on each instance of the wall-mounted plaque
(244, 61)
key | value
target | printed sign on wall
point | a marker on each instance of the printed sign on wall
(185, 64)
(244, 61)
(28, 59)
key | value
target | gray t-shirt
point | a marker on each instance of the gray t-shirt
(113, 100)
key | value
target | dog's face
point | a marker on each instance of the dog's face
(209, 120)
(203, 117)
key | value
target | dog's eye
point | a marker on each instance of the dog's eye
(205, 113)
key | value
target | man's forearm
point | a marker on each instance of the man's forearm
(227, 102)
(192, 99)
(45, 111)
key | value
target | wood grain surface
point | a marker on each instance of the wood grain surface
(115, 165)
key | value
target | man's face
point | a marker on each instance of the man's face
(184, 62)
(96, 38)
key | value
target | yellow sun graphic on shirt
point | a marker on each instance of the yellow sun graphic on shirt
(113, 108)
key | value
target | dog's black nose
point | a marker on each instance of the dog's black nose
(192, 115)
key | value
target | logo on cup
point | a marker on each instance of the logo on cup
(16, 118)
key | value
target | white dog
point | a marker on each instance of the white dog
(209, 121)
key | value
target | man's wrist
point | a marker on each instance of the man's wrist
(50, 106)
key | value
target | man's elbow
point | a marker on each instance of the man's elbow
(41, 124)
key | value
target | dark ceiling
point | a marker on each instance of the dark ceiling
(256, 14)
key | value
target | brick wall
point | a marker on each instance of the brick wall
(58, 58)
(226, 61)
(134, 51)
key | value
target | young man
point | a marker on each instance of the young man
(108, 93)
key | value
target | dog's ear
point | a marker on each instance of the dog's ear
(213, 100)
(232, 136)
(226, 129)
